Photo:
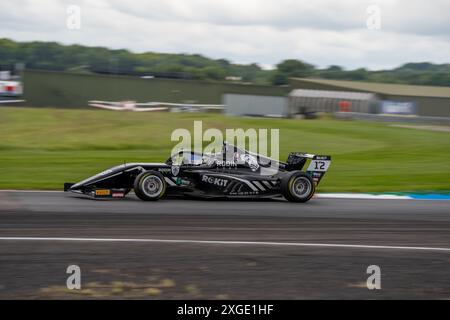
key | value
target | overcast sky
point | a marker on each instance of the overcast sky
(245, 31)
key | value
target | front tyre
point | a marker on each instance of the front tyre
(150, 186)
(297, 186)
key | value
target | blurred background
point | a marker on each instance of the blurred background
(368, 83)
(89, 84)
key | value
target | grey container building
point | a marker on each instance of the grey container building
(307, 100)
(429, 100)
(255, 105)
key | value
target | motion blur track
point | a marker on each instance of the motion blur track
(181, 249)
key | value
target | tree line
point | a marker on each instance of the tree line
(83, 59)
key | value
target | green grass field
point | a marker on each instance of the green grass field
(43, 148)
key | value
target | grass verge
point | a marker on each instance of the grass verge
(41, 148)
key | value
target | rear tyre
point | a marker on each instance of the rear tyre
(150, 186)
(297, 186)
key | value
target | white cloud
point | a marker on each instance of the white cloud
(264, 31)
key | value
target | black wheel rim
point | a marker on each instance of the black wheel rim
(152, 186)
(301, 187)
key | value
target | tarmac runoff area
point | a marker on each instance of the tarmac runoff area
(190, 249)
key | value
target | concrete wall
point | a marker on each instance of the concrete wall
(444, 121)
(426, 106)
(240, 104)
(58, 89)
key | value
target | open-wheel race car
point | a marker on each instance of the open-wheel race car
(231, 173)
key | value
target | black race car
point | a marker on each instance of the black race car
(231, 173)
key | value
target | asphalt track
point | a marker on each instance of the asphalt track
(189, 249)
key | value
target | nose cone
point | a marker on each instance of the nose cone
(99, 177)
(68, 186)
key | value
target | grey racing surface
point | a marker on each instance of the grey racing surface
(205, 249)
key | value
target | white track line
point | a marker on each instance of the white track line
(365, 196)
(224, 242)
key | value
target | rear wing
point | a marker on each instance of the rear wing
(318, 164)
